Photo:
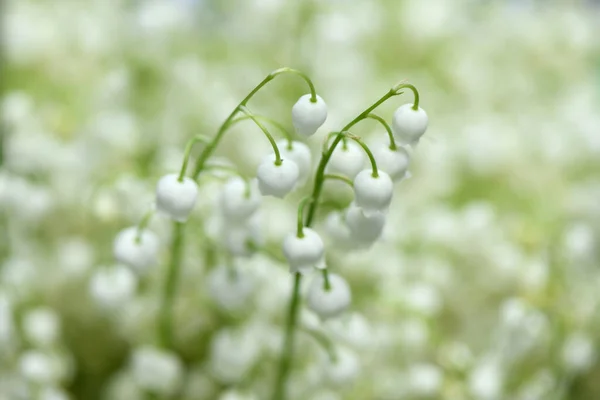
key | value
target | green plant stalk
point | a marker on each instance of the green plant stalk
(170, 287)
(208, 150)
(165, 328)
(287, 353)
(285, 362)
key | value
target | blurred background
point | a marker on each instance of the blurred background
(486, 284)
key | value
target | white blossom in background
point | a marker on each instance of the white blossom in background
(467, 274)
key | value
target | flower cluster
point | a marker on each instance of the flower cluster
(138, 260)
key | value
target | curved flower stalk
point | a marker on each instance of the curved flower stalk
(279, 174)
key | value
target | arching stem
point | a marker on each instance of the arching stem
(387, 127)
(186, 154)
(278, 159)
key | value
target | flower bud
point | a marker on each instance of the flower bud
(304, 253)
(156, 370)
(112, 287)
(364, 228)
(373, 194)
(299, 154)
(239, 199)
(347, 160)
(307, 116)
(277, 180)
(394, 162)
(409, 125)
(176, 199)
(332, 302)
(138, 254)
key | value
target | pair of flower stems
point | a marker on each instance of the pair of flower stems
(165, 323)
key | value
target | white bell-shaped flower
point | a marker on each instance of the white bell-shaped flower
(394, 162)
(300, 154)
(364, 228)
(112, 287)
(373, 194)
(347, 160)
(304, 253)
(277, 180)
(233, 354)
(157, 371)
(43, 368)
(231, 288)
(239, 200)
(332, 302)
(176, 199)
(344, 369)
(240, 238)
(408, 125)
(307, 116)
(138, 254)
(41, 326)
(338, 231)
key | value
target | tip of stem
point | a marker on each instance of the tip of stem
(415, 107)
(375, 174)
(278, 162)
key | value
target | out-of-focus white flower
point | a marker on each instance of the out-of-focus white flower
(138, 254)
(240, 238)
(365, 228)
(425, 379)
(239, 199)
(42, 368)
(156, 370)
(394, 162)
(232, 354)
(231, 288)
(329, 302)
(300, 154)
(578, 352)
(344, 369)
(41, 326)
(236, 395)
(52, 393)
(486, 380)
(347, 159)
(112, 287)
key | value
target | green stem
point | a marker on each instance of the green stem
(342, 178)
(301, 206)
(210, 148)
(143, 224)
(387, 127)
(288, 136)
(278, 159)
(324, 341)
(285, 361)
(414, 90)
(288, 347)
(319, 176)
(326, 284)
(165, 326)
(368, 151)
(186, 154)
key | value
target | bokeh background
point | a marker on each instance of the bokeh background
(486, 284)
